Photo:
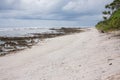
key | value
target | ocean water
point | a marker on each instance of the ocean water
(16, 32)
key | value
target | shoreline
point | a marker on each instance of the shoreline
(15, 44)
(89, 55)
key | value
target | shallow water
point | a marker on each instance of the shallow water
(16, 32)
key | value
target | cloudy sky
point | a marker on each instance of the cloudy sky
(51, 12)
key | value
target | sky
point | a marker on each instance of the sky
(51, 13)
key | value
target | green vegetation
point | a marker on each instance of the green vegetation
(111, 17)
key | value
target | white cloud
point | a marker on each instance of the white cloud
(52, 9)
(39, 5)
(35, 7)
(83, 6)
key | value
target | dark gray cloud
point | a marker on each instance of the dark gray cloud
(9, 4)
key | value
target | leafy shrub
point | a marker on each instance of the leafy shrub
(113, 23)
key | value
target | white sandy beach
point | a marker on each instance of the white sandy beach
(89, 55)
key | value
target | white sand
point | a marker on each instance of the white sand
(83, 56)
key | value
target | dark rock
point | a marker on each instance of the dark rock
(110, 64)
(102, 31)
